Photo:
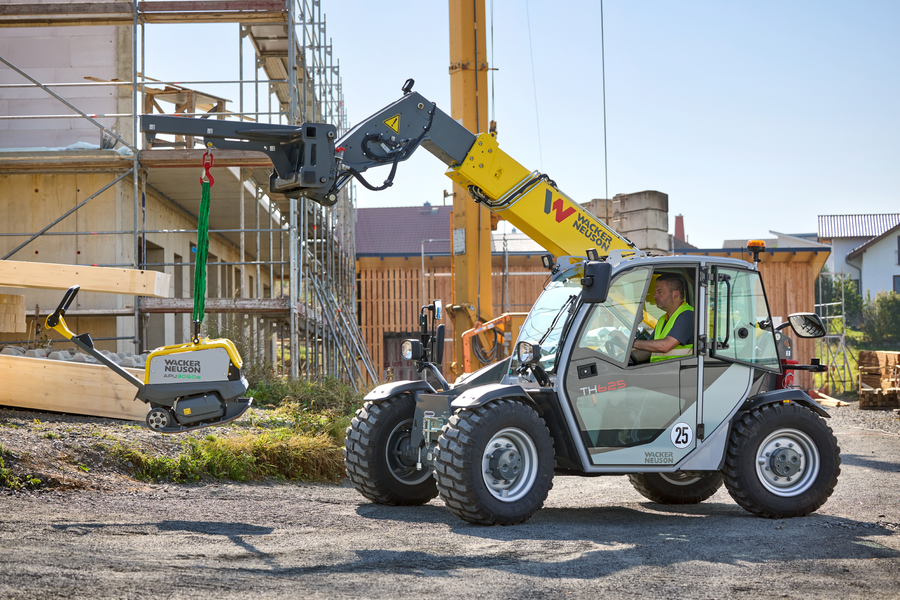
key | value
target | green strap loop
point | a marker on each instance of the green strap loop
(200, 262)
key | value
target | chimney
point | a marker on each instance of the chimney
(679, 227)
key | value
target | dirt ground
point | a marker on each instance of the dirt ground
(594, 538)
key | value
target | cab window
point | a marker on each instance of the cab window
(740, 327)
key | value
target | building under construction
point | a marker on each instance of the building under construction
(79, 184)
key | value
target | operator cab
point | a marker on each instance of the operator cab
(636, 407)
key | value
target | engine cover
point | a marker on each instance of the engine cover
(193, 409)
(189, 367)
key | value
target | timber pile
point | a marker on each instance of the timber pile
(879, 379)
(12, 313)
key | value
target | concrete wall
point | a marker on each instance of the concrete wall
(31, 201)
(63, 55)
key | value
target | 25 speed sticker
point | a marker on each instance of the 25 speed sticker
(682, 435)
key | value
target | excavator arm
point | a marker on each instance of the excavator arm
(308, 162)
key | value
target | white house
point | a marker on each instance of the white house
(866, 247)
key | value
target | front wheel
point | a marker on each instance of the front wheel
(676, 488)
(378, 455)
(782, 461)
(495, 463)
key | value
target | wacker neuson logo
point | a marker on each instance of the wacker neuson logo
(665, 458)
(181, 368)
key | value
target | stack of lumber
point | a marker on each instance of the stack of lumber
(12, 313)
(879, 379)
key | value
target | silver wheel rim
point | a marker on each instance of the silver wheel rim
(158, 418)
(509, 464)
(679, 478)
(787, 462)
(401, 462)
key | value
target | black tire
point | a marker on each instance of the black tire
(676, 488)
(782, 461)
(495, 463)
(378, 457)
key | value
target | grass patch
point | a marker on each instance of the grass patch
(294, 432)
(11, 481)
(278, 454)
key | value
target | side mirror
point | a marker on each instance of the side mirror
(439, 346)
(595, 283)
(528, 353)
(438, 310)
(807, 325)
(411, 350)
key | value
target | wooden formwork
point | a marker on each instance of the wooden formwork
(78, 388)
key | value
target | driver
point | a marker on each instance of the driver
(673, 336)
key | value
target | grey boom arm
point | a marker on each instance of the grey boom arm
(308, 161)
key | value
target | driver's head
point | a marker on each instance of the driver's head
(671, 291)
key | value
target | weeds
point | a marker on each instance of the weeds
(247, 457)
(11, 481)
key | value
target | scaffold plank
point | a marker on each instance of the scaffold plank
(91, 279)
(217, 305)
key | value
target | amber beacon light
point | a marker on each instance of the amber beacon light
(755, 247)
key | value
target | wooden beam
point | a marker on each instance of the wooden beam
(255, 306)
(81, 161)
(48, 276)
(78, 388)
(120, 13)
(193, 158)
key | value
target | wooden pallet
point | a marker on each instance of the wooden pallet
(879, 399)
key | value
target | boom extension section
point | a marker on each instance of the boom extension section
(310, 163)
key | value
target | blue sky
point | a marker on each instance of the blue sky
(751, 116)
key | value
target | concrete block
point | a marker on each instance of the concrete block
(650, 239)
(600, 208)
(624, 203)
(641, 219)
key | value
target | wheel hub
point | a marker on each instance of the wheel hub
(509, 464)
(505, 463)
(785, 462)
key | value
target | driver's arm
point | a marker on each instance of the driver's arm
(663, 346)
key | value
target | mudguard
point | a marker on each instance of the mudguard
(481, 395)
(775, 396)
(387, 390)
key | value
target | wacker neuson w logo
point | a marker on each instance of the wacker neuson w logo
(664, 458)
(181, 368)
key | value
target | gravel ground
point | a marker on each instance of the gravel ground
(101, 534)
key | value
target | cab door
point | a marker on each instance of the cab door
(630, 414)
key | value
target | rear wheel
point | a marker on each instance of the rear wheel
(676, 488)
(160, 418)
(495, 463)
(782, 461)
(378, 455)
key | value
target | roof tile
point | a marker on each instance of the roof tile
(838, 226)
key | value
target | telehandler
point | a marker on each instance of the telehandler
(577, 398)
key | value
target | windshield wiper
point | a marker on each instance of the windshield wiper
(568, 303)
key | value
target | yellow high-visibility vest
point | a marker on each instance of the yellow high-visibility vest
(661, 332)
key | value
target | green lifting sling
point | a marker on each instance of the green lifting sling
(202, 247)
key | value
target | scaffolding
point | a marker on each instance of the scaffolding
(832, 349)
(292, 288)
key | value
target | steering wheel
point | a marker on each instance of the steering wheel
(616, 348)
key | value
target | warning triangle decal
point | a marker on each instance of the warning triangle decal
(393, 123)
